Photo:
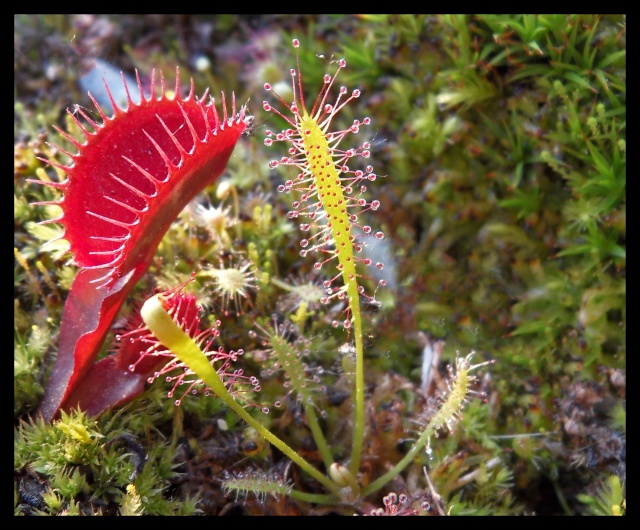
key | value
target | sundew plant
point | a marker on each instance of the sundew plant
(320, 265)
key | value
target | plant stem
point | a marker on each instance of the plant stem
(317, 498)
(358, 427)
(397, 469)
(318, 435)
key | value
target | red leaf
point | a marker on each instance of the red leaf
(94, 397)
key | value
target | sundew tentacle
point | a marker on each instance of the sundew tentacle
(185, 314)
(331, 200)
(331, 193)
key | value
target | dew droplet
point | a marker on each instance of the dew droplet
(265, 410)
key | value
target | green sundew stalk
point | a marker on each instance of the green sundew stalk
(329, 187)
(171, 335)
(261, 485)
(326, 179)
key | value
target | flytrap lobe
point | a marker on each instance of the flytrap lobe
(130, 176)
(331, 194)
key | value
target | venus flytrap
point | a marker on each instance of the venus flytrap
(128, 176)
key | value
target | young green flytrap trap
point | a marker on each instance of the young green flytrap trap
(331, 203)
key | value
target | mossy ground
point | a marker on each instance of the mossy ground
(502, 142)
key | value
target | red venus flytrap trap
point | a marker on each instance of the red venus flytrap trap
(128, 180)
